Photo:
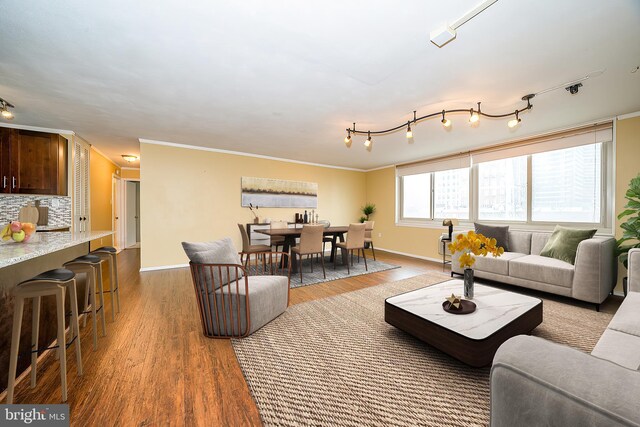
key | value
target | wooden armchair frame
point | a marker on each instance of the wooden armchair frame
(210, 313)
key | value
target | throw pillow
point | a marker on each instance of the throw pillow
(498, 232)
(216, 252)
(563, 243)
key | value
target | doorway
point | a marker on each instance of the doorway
(132, 214)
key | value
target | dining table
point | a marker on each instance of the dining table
(291, 234)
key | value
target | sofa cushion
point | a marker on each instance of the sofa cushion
(542, 269)
(627, 318)
(538, 240)
(215, 252)
(620, 348)
(563, 243)
(499, 265)
(520, 242)
(500, 233)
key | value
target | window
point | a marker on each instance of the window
(502, 189)
(416, 196)
(451, 194)
(566, 185)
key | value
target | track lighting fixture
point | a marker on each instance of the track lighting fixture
(4, 109)
(367, 143)
(445, 122)
(474, 117)
(514, 122)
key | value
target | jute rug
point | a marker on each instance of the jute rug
(340, 272)
(335, 362)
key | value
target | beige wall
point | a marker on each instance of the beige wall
(194, 195)
(130, 173)
(627, 166)
(101, 171)
(381, 190)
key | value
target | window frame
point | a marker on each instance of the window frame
(607, 200)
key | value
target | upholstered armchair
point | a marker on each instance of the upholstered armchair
(234, 301)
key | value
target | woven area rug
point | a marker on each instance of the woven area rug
(335, 362)
(357, 269)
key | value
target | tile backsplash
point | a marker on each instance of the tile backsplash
(59, 208)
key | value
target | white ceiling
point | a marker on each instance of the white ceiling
(285, 78)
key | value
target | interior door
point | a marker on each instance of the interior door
(115, 211)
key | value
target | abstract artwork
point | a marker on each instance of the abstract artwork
(278, 193)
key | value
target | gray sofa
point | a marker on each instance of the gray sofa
(591, 279)
(535, 382)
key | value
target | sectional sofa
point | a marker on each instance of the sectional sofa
(535, 382)
(591, 279)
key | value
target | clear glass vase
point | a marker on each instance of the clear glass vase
(468, 283)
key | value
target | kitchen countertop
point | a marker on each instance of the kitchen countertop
(43, 244)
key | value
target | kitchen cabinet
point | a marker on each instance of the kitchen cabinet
(32, 162)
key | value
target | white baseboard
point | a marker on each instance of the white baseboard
(438, 260)
(163, 267)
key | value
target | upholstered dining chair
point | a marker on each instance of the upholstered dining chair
(248, 248)
(310, 245)
(278, 240)
(325, 239)
(233, 302)
(367, 236)
(355, 241)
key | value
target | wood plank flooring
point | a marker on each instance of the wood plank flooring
(155, 367)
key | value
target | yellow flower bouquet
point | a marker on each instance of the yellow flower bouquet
(472, 245)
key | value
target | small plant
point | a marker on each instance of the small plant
(631, 227)
(255, 213)
(472, 245)
(368, 210)
(363, 218)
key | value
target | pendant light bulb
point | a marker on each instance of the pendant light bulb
(367, 143)
(445, 122)
(409, 132)
(474, 117)
(7, 114)
(347, 140)
(514, 122)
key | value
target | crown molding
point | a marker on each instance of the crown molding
(93, 147)
(129, 169)
(628, 115)
(240, 153)
(37, 129)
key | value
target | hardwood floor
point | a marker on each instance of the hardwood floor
(155, 367)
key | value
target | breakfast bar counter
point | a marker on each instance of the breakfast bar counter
(22, 261)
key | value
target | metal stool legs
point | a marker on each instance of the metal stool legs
(114, 286)
(36, 289)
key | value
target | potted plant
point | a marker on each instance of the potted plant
(471, 245)
(367, 210)
(631, 227)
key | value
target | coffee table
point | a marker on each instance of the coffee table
(471, 338)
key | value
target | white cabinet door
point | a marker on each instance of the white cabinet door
(81, 194)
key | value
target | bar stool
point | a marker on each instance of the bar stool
(109, 253)
(50, 283)
(91, 265)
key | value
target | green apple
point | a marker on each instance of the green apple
(18, 236)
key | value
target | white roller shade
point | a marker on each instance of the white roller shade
(542, 144)
(455, 162)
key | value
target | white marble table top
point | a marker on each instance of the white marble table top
(496, 308)
(43, 244)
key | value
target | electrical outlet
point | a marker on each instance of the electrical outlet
(379, 234)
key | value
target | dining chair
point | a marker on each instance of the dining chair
(310, 245)
(355, 241)
(248, 248)
(278, 240)
(367, 236)
(325, 239)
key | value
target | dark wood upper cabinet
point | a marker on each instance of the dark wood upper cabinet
(33, 162)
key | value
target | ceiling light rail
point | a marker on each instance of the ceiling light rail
(474, 117)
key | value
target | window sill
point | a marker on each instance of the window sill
(514, 226)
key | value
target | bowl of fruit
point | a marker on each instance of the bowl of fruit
(19, 232)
